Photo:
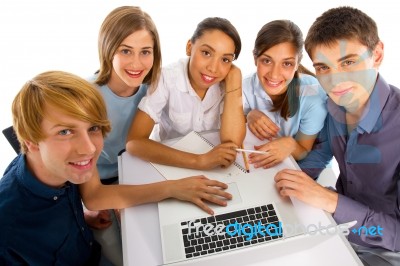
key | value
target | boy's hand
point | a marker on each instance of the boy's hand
(199, 190)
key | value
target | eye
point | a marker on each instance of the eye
(125, 51)
(348, 63)
(288, 64)
(206, 53)
(226, 60)
(266, 61)
(321, 69)
(95, 129)
(146, 52)
(64, 132)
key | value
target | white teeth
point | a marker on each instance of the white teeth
(83, 163)
(133, 72)
(273, 83)
(207, 78)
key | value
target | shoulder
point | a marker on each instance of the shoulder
(174, 77)
(395, 91)
(11, 181)
(175, 69)
(309, 86)
(308, 80)
(250, 82)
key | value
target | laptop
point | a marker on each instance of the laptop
(257, 215)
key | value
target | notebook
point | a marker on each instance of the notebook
(197, 143)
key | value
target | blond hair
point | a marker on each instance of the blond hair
(69, 93)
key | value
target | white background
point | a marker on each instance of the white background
(42, 35)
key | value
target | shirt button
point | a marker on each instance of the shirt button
(91, 243)
(351, 182)
(83, 229)
(55, 198)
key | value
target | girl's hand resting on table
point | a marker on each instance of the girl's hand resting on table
(221, 155)
(277, 151)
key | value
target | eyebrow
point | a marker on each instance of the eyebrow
(347, 57)
(288, 58)
(63, 125)
(339, 60)
(212, 49)
(130, 47)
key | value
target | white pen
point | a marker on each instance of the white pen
(252, 151)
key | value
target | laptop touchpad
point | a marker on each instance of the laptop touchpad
(234, 190)
(236, 198)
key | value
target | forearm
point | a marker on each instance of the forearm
(233, 124)
(123, 196)
(386, 227)
(318, 158)
(156, 152)
(299, 152)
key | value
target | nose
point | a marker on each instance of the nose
(135, 61)
(275, 71)
(212, 65)
(85, 144)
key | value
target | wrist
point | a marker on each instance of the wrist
(229, 90)
(333, 198)
(168, 189)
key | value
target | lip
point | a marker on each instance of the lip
(82, 164)
(340, 92)
(134, 74)
(272, 84)
(207, 79)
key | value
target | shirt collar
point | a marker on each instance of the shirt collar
(377, 100)
(32, 184)
(259, 90)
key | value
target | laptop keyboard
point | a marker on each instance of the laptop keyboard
(228, 231)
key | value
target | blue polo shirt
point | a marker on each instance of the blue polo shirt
(41, 225)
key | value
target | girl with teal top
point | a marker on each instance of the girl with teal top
(283, 101)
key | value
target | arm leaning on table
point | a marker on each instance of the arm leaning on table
(343, 204)
(233, 124)
(196, 189)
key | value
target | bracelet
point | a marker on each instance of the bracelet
(233, 90)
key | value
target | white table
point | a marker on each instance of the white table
(141, 234)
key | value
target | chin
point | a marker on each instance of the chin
(81, 179)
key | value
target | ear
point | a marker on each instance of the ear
(378, 54)
(32, 147)
(189, 48)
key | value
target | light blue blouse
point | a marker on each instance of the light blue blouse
(309, 119)
(120, 111)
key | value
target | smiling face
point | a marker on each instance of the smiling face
(347, 71)
(132, 61)
(69, 151)
(276, 68)
(211, 58)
